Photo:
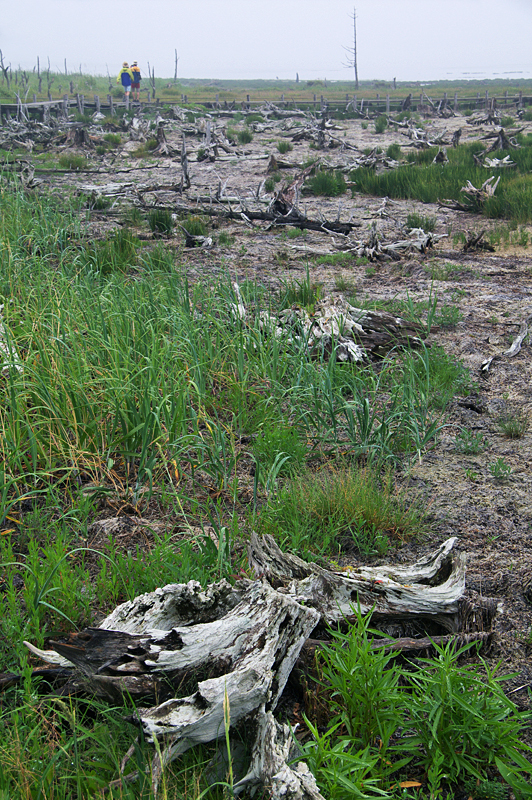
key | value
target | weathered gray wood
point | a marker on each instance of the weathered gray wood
(391, 592)
(235, 647)
(269, 766)
(515, 347)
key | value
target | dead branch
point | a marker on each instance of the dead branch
(515, 347)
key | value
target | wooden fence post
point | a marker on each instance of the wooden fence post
(97, 103)
(34, 98)
(456, 101)
(387, 103)
(65, 106)
(71, 87)
(110, 100)
(520, 99)
(506, 97)
(487, 99)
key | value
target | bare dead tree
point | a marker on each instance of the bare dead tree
(5, 70)
(352, 51)
(176, 62)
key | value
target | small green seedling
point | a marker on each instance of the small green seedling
(500, 470)
(470, 443)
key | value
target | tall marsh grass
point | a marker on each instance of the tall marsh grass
(427, 182)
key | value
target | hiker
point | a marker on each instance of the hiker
(135, 86)
(125, 77)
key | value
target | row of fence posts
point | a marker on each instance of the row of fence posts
(485, 102)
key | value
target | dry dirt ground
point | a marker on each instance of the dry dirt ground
(492, 518)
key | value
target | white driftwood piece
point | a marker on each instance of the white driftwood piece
(237, 646)
(391, 592)
(269, 764)
(351, 333)
(515, 347)
(249, 640)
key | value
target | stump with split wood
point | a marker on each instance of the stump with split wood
(222, 655)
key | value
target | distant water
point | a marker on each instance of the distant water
(487, 75)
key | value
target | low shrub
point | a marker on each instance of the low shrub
(451, 723)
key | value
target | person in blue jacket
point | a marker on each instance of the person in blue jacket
(125, 77)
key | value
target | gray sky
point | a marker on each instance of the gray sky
(407, 39)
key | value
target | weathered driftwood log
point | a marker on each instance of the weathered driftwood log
(474, 241)
(222, 656)
(352, 334)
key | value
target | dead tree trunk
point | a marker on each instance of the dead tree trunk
(223, 655)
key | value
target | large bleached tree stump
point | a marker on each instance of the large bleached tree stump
(221, 656)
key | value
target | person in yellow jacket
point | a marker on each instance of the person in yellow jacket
(125, 77)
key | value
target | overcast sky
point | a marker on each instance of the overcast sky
(406, 39)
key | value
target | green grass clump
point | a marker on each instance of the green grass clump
(72, 161)
(381, 123)
(427, 224)
(161, 221)
(195, 225)
(116, 253)
(429, 183)
(394, 151)
(345, 510)
(514, 424)
(279, 445)
(112, 139)
(245, 136)
(284, 147)
(302, 293)
(327, 184)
